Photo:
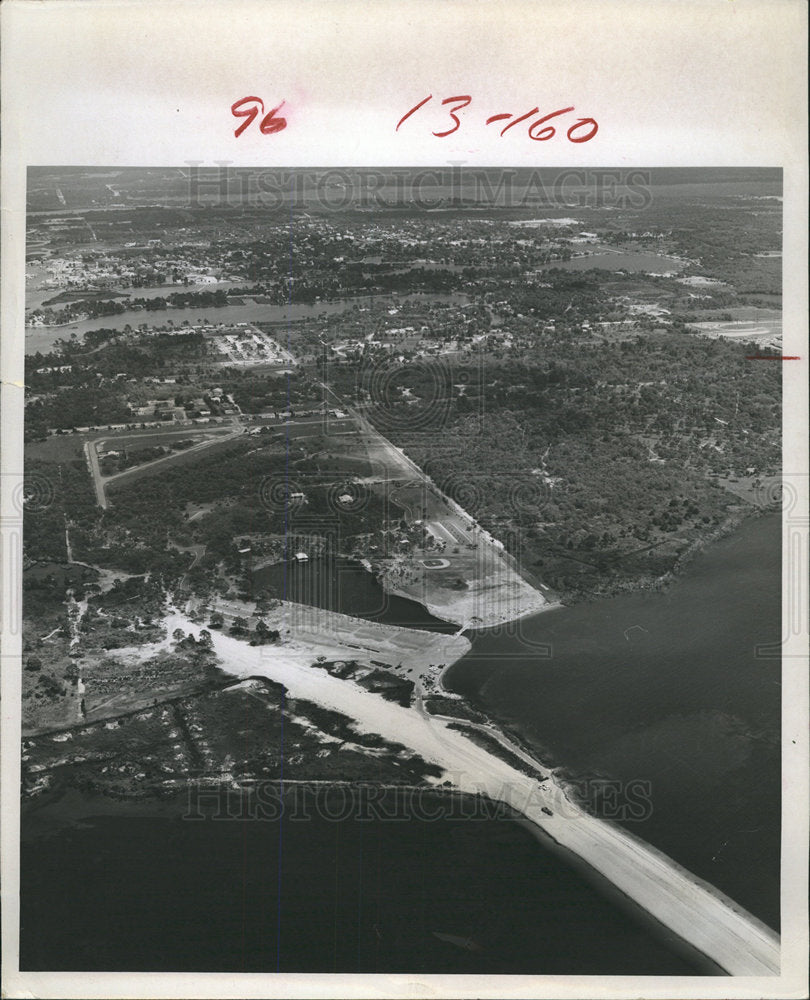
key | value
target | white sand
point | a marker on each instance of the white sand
(318, 632)
(696, 913)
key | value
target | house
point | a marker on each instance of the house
(301, 557)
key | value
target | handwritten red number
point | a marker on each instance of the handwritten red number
(539, 130)
(549, 130)
(578, 124)
(463, 100)
(408, 114)
(517, 121)
(271, 124)
(249, 113)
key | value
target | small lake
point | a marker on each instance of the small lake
(346, 586)
(43, 339)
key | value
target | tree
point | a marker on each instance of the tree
(178, 635)
(217, 620)
(239, 626)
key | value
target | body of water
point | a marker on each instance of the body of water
(38, 296)
(318, 890)
(346, 586)
(671, 689)
(665, 688)
(43, 339)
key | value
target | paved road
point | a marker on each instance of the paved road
(91, 455)
(100, 481)
(687, 907)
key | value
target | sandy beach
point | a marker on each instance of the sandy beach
(308, 632)
(695, 912)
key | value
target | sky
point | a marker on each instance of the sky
(673, 83)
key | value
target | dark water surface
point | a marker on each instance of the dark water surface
(44, 338)
(665, 688)
(346, 586)
(134, 892)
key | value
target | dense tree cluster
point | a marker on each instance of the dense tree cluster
(97, 308)
(605, 462)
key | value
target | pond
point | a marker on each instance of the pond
(344, 585)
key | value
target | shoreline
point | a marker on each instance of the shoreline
(660, 586)
(665, 893)
(572, 798)
(733, 939)
(310, 632)
(462, 617)
(623, 901)
(696, 912)
(505, 716)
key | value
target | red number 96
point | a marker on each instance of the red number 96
(268, 125)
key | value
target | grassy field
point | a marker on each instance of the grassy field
(59, 448)
(180, 458)
(147, 439)
(66, 447)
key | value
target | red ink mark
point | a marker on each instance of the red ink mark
(269, 124)
(517, 121)
(461, 102)
(250, 113)
(549, 129)
(772, 357)
(408, 114)
(539, 131)
(578, 124)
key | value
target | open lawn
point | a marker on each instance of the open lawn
(206, 449)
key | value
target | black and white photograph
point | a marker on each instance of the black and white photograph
(406, 560)
(418, 545)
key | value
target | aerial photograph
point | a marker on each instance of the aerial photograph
(402, 571)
